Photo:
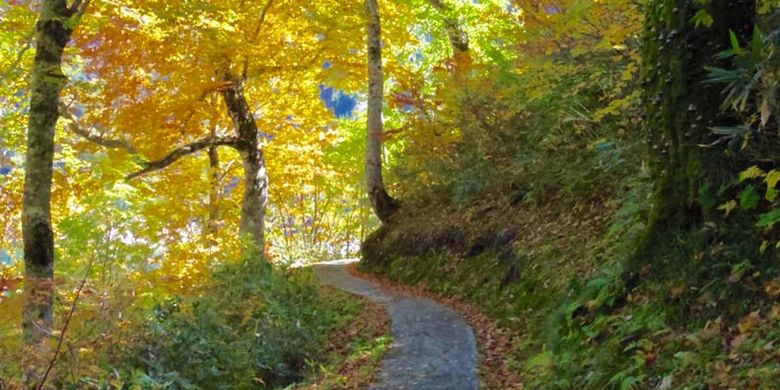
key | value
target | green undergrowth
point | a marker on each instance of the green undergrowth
(695, 317)
(355, 349)
(256, 327)
(701, 313)
(365, 354)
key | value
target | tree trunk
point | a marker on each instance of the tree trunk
(255, 173)
(458, 37)
(681, 107)
(255, 198)
(384, 205)
(53, 32)
(213, 223)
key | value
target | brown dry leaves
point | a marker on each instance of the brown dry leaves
(350, 373)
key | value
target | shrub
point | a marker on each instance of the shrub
(253, 326)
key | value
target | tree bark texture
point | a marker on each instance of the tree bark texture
(384, 205)
(255, 172)
(214, 196)
(53, 31)
(681, 106)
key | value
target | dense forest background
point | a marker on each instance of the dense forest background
(599, 178)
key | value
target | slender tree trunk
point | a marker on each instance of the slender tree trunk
(315, 220)
(255, 198)
(384, 205)
(213, 223)
(255, 173)
(215, 217)
(53, 32)
(681, 106)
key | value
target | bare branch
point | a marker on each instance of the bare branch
(98, 139)
(65, 327)
(75, 6)
(28, 43)
(263, 13)
(256, 34)
(79, 7)
(439, 5)
(314, 55)
(83, 8)
(169, 159)
(95, 137)
(186, 150)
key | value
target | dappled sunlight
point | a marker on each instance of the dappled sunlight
(510, 193)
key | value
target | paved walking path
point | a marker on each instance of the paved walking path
(432, 347)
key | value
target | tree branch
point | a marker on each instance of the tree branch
(28, 44)
(314, 56)
(65, 327)
(458, 37)
(79, 7)
(256, 34)
(186, 150)
(93, 136)
(263, 13)
(150, 166)
(97, 139)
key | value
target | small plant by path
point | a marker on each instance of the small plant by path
(355, 350)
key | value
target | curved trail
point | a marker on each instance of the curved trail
(432, 347)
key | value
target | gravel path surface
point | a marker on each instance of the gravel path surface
(432, 347)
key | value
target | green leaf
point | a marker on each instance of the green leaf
(728, 207)
(630, 383)
(771, 194)
(751, 173)
(749, 198)
(706, 197)
(686, 358)
(734, 42)
(757, 43)
(544, 360)
(739, 131)
(719, 75)
(702, 18)
(769, 219)
(772, 178)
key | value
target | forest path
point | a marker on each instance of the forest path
(432, 348)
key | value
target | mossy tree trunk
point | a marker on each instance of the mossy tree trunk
(53, 31)
(681, 107)
(384, 205)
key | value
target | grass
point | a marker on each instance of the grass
(355, 348)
